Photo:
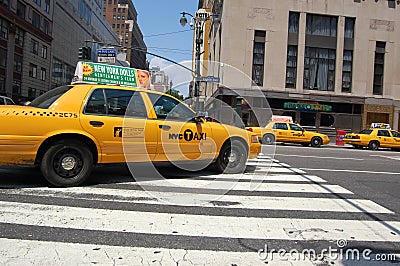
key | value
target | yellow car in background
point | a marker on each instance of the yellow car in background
(290, 133)
(374, 138)
(72, 128)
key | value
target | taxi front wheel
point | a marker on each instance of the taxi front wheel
(316, 142)
(232, 158)
(67, 163)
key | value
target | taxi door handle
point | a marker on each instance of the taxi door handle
(96, 123)
(164, 127)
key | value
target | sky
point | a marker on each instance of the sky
(163, 34)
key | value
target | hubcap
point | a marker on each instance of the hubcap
(68, 163)
(232, 157)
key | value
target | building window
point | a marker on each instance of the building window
(19, 37)
(127, 26)
(18, 63)
(127, 34)
(42, 73)
(21, 8)
(126, 40)
(38, 2)
(319, 69)
(34, 46)
(32, 70)
(349, 28)
(123, 17)
(294, 18)
(44, 52)
(47, 6)
(4, 25)
(291, 66)
(114, 10)
(114, 17)
(321, 25)
(119, 17)
(46, 26)
(347, 70)
(258, 57)
(2, 84)
(16, 88)
(36, 19)
(31, 93)
(118, 26)
(5, 2)
(379, 68)
(84, 11)
(3, 57)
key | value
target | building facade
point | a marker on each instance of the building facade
(25, 47)
(326, 63)
(122, 16)
(77, 23)
(159, 80)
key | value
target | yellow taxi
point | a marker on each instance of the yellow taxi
(374, 138)
(289, 132)
(72, 128)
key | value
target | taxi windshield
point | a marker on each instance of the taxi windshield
(47, 99)
(366, 131)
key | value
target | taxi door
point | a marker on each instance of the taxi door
(297, 134)
(121, 138)
(384, 137)
(180, 136)
(281, 131)
(396, 138)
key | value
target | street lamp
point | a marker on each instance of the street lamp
(199, 19)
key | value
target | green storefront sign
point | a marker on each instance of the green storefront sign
(308, 107)
(105, 74)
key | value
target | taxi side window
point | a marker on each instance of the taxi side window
(395, 134)
(383, 133)
(282, 126)
(9, 102)
(295, 127)
(96, 103)
(116, 102)
(169, 108)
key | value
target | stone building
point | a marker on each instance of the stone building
(326, 63)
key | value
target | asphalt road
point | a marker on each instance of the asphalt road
(291, 198)
(374, 175)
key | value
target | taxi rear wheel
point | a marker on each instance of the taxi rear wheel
(268, 139)
(316, 142)
(67, 163)
(373, 145)
(232, 158)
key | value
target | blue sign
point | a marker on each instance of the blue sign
(106, 53)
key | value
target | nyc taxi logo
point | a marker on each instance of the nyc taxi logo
(188, 135)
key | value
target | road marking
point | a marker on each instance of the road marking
(197, 225)
(229, 201)
(397, 158)
(32, 252)
(319, 157)
(233, 186)
(350, 171)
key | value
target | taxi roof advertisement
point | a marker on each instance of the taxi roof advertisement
(89, 72)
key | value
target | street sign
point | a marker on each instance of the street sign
(106, 55)
(208, 79)
(203, 14)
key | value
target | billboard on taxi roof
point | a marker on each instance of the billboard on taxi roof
(95, 73)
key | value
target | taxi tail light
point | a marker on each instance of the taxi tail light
(254, 138)
(250, 129)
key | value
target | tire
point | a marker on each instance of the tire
(268, 139)
(316, 142)
(232, 158)
(67, 163)
(373, 145)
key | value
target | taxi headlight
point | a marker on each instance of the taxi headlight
(254, 138)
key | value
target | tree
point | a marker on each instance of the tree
(175, 93)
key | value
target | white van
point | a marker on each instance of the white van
(6, 101)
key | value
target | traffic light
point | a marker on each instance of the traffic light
(85, 53)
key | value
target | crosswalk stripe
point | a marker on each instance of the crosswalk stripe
(197, 225)
(235, 186)
(269, 177)
(47, 253)
(223, 201)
